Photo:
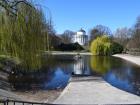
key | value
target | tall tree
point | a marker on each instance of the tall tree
(24, 36)
(67, 36)
(136, 36)
(98, 31)
(122, 36)
(134, 42)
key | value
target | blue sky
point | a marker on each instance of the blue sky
(76, 14)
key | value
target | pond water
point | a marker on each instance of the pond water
(57, 70)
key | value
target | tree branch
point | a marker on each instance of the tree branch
(10, 6)
(21, 1)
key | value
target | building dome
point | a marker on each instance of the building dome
(80, 37)
(81, 30)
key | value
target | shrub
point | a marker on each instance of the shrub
(69, 47)
(104, 46)
(116, 48)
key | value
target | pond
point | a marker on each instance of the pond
(57, 70)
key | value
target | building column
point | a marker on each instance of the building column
(83, 40)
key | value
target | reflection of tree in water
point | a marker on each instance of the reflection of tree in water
(127, 72)
(25, 80)
(64, 62)
(102, 64)
(118, 72)
(126, 78)
(122, 73)
(136, 81)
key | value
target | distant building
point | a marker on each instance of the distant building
(80, 37)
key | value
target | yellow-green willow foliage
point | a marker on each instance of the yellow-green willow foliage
(24, 36)
(101, 46)
(100, 64)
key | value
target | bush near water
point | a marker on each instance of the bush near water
(104, 46)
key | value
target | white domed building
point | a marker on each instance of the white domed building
(80, 37)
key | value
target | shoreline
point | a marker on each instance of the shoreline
(67, 53)
(97, 91)
(128, 57)
(45, 96)
(41, 96)
(49, 96)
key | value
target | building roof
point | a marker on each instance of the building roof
(81, 30)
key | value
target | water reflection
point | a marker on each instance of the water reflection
(57, 70)
(54, 74)
(119, 73)
(81, 67)
(58, 81)
(119, 81)
(100, 64)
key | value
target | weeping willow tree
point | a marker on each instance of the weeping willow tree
(24, 36)
(101, 46)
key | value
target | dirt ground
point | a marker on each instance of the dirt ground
(47, 96)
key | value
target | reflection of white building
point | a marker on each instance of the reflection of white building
(81, 67)
(80, 37)
(78, 67)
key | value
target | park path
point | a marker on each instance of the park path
(94, 90)
(128, 57)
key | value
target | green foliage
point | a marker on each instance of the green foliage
(116, 48)
(101, 46)
(69, 47)
(24, 36)
(104, 46)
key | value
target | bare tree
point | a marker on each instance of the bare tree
(98, 31)
(134, 42)
(67, 36)
(122, 36)
(136, 36)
